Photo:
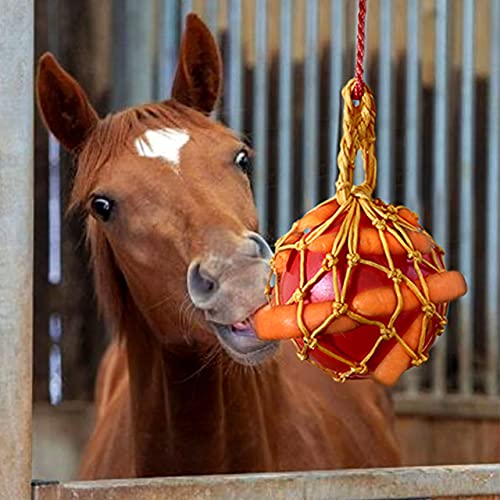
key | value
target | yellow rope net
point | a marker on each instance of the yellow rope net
(346, 256)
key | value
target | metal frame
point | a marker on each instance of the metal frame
(16, 245)
(16, 255)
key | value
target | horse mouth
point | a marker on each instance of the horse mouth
(242, 345)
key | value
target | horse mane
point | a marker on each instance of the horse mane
(113, 136)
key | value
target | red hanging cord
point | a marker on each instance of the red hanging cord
(360, 53)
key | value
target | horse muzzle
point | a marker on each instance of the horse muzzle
(228, 286)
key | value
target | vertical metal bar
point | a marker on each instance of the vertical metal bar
(260, 114)
(16, 249)
(440, 168)
(359, 173)
(337, 44)
(139, 52)
(413, 171)
(168, 47)
(467, 202)
(55, 359)
(186, 8)
(212, 17)
(55, 269)
(234, 80)
(310, 167)
(285, 125)
(385, 108)
(493, 208)
(212, 13)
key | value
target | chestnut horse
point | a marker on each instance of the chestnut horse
(185, 386)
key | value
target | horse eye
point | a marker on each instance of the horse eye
(243, 161)
(102, 207)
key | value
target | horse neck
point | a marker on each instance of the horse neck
(192, 417)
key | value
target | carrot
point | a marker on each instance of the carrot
(397, 360)
(408, 216)
(281, 259)
(369, 242)
(382, 301)
(317, 215)
(280, 322)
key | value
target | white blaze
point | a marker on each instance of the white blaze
(162, 143)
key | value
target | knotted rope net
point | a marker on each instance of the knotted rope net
(360, 270)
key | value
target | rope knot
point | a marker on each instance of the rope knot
(429, 310)
(363, 191)
(353, 259)
(298, 295)
(416, 256)
(420, 360)
(396, 276)
(339, 308)
(329, 262)
(301, 245)
(362, 369)
(311, 343)
(387, 333)
(380, 224)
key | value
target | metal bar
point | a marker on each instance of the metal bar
(168, 47)
(385, 175)
(413, 101)
(337, 44)
(260, 125)
(138, 43)
(413, 170)
(405, 482)
(16, 249)
(55, 262)
(310, 167)
(493, 208)
(234, 79)
(285, 125)
(212, 17)
(212, 13)
(440, 168)
(466, 205)
(186, 8)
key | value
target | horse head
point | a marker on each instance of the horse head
(165, 190)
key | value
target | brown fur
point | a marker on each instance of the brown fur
(169, 400)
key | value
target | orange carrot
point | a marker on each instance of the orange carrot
(408, 216)
(369, 242)
(317, 215)
(397, 359)
(280, 322)
(382, 301)
(281, 259)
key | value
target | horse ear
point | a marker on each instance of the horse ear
(64, 106)
(198, 77)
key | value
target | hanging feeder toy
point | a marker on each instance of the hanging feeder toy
(360, 287)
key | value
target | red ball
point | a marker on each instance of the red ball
(355, 345)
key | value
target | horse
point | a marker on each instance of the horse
(185, 386)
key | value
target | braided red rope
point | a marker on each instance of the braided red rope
(360, 54)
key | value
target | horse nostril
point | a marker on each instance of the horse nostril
(201, 285)
(262, 248)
